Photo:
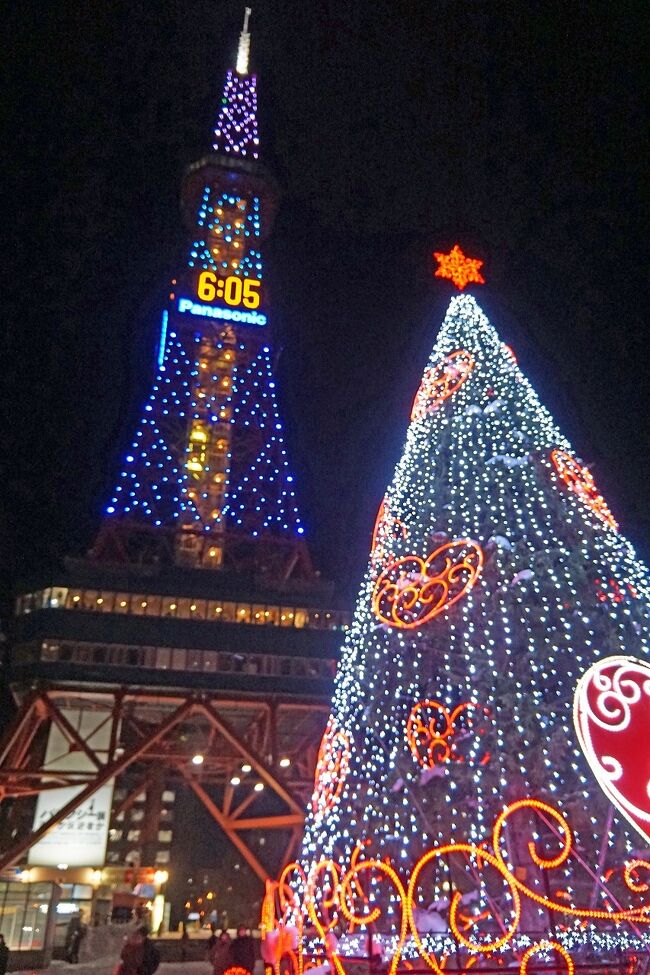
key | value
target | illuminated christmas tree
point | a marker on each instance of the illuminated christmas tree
(497, 576)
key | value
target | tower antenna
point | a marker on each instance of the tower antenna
(244, 48)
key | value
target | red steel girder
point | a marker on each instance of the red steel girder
(143, 714)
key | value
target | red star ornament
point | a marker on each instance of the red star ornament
(458, 268)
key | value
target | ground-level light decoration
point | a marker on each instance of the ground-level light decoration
(483, 594)
(334, 895)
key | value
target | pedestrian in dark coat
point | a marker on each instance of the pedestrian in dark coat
(139, 956)
(75, 935)
(243, 950)
(4, 955)
(221, 956)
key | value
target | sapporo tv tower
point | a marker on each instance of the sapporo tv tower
(194, 650)
(207, 481)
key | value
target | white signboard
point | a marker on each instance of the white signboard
(80, 839)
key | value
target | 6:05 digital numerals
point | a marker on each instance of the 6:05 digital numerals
(233, 290)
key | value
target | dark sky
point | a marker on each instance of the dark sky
(394, 129)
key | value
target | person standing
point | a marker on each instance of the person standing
(139, 956)
(76, 934)
(212, 940)
(132, 955)
(221, 956)
(185, 940)
(4, 955)
(243, 950)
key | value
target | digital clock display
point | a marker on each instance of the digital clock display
(232, 290)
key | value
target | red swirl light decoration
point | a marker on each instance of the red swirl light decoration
(410, 592)
(546, 946)
(579, 480)
(440, 381)
(432, 731)
(332, 767)
(335, 897)
(387, 527)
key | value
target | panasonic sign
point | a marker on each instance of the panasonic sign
(187, 306)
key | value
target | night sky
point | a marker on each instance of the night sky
(394, 130)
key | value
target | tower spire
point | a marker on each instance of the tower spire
(208, 469)
(236, 130)
(244, 48)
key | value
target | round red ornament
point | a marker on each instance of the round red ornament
(612, 719)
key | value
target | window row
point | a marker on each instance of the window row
(133, 835)
(121, 792)
(197, 661)
(136, 814)
(114, 857)
(181, 607)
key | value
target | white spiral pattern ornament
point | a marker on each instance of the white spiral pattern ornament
(612, 719)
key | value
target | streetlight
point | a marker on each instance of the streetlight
(198, 759)
(285, 762)
(258, 786)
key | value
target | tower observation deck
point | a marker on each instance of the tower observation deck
(193, 650)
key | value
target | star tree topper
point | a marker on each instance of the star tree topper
(458, 268)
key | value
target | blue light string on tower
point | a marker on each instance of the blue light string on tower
(236, 130)
(263, 495)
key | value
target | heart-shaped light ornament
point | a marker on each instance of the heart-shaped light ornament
(611, 712)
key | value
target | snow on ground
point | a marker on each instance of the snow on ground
(105, 966)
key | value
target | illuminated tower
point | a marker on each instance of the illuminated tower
(206, 481)
(139, 676)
